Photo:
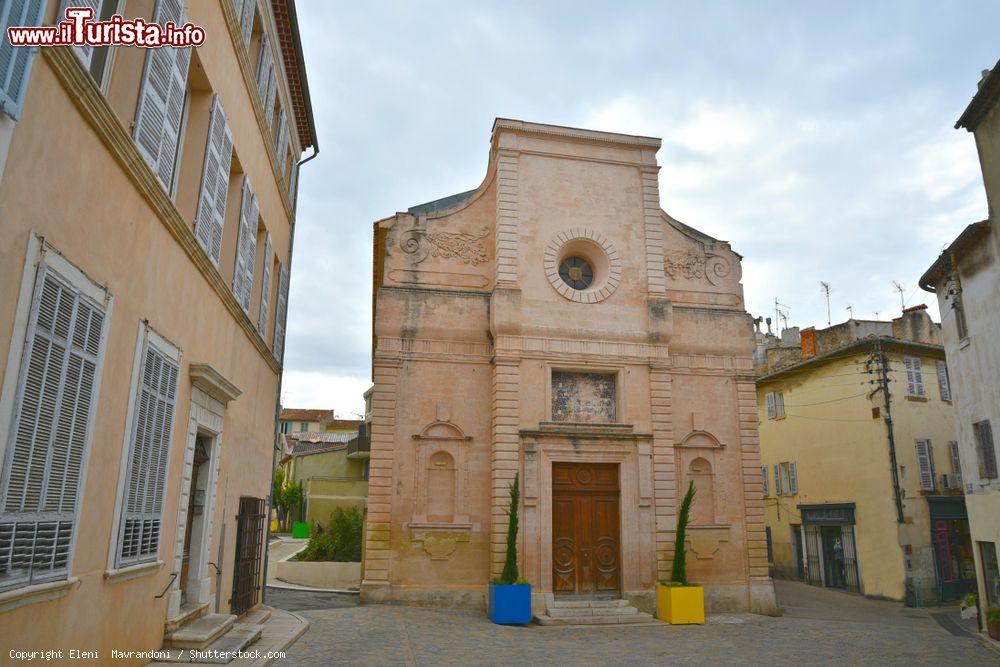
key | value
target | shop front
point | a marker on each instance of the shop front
(953, 556)
(830, 554)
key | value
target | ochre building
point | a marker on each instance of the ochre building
(147, 209)
(557, 323)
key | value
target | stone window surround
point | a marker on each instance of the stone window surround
(427, 444)
(619, 371)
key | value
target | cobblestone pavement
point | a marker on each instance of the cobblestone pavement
(301, 600)
(818, 628)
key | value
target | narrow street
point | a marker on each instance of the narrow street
(818, 627)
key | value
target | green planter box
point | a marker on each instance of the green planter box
(300, 529)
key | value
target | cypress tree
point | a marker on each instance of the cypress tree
(678, 572)
(510, 574)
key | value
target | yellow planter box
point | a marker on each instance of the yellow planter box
(679, 605)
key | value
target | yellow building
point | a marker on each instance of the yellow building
(966, 279)
(147, 200)
(860, 470)
(298, 420)
(333, 471)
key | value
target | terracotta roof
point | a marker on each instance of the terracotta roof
(287, 24)
(324, 436)
(985, 99)
(302, 415)
(343, 423)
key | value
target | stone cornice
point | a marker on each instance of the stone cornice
(573, 133)
(250, 80)
(525, 345)
(213, 383)
(95, 109)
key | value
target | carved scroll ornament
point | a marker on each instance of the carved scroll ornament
(695, 265)
(462, 245)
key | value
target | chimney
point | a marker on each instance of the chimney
(808, 343)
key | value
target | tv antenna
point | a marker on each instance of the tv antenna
(825, 286)
(902, 290)
(850, 311)
(780, 315)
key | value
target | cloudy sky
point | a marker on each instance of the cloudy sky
(816, 137)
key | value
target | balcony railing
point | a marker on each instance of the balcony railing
(359, 447)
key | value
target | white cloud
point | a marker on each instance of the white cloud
(312, 389)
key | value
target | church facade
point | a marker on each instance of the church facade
(557, 323)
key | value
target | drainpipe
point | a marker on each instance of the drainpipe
(281, 375)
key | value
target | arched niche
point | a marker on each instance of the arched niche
(700, 471)
(699, 455)
(440, 475)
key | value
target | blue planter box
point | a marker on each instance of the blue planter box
(510, 603)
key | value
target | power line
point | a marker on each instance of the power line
(832, 400)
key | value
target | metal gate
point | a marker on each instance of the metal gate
(250, 523)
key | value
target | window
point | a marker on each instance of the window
(50, 430)
(15, 63)
(162, 96)
(267, 85)
(582, 397)
(286, 427)
(246, 247)
(775, 401)
(925, 464)
(991, 572)
(786, 478)
(210, 219)
(763, 477)
(149, 449)
(281, 142)
(97, 59)
(956, 464)
(303, 427)
(943, 384)
(985, 451)
(914, 377)
(245, 10)
(576, 272)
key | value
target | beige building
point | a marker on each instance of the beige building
(555, 322)
(855, 500)
(147, 199)
(966, 279)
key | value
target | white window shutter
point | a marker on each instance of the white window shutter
(925, 463)
(292, 182)
(793, 478)
(272, 90)
(52, 419)
(943, 383)
(263, 68)
(771, 409)
(778, 490)
(763, 477)
(281, 145)
(246, 247)
(161, 99)
(914, 376)
(210, 219)
(956, 462)
(280, 311)
(145, 481)
(15, 63)
(785, 481)
(779, 404)
(86, 52)
(265, 289)
(246, 19)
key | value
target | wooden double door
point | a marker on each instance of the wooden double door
(586, 538)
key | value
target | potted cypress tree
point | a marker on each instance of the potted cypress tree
(510, 596)
(677, 601)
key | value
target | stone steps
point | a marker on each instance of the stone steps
(592, 612)
(201, 632)
(237, 637)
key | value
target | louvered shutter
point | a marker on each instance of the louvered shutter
(15, 63)
(778, 490)
(265, 290)
(769, 400)
(264, 61)
(246, 19)
(943, 383)
(86, 52)
(793, 478)
(914, 376)
(161, 99)
(779, 404)
(246, 247)
(292, 195)
(983, 432)
(52, 421)
(142, 508)
(272, 90)
(956, 463)
(211, 216)
(785, 482)
(279, 314)
(281, 145)
(763, 477)
(925, 463)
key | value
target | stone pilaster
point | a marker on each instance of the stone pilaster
(505, 456)
(507, 217)
(760, 587)
(664, 475)
(655, 281)
(375, 586)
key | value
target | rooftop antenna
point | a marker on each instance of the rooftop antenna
(825, 286)
(780, 315)
(899, 288)
(876, 316)
(850, 311)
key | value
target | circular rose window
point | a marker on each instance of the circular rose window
(576, 272)
(583, 266)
